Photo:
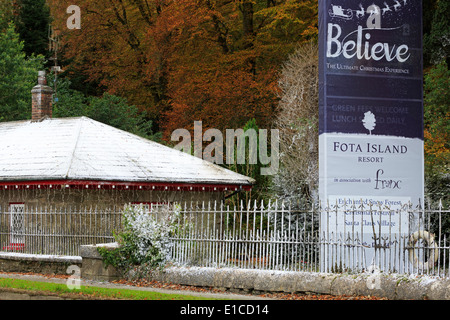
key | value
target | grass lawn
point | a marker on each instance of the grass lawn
(93, 292)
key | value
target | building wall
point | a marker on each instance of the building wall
(99, 198)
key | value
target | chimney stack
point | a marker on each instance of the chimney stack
(41, 99)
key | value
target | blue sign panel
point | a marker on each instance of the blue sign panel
(371, 60)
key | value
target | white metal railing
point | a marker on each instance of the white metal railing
(278, 236)
(246, 237)
(273, 236)
(55, 231)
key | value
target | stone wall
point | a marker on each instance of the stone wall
(45, 264)
(395, 287)
(93, 267)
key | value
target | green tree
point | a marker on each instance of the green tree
(32, 24)
(70, 102)
(18, 75)
(109, 109)
(437, 39)
(437, 132)
(251, 166)
(115, 111)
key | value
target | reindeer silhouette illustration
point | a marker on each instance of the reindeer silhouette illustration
(386, 8)
(360, 12)
(397, 5)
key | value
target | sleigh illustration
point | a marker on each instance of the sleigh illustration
(338, 12)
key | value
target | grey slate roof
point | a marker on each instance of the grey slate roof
(84, 149)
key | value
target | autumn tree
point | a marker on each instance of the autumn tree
(113, 47)
(232, 57)
(188, 60)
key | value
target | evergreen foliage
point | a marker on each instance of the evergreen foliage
(18, 75)
(33, 25)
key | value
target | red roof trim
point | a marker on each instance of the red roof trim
(98, 184)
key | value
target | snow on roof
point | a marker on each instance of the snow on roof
(85, 149)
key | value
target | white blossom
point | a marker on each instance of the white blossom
(151, 232)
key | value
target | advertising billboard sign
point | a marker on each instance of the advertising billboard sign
(370, 106)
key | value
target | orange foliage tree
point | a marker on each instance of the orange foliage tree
(187, 60)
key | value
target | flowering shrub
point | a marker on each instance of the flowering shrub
(144, 243)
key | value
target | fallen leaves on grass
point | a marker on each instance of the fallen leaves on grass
(295, 296)
(271, 295)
